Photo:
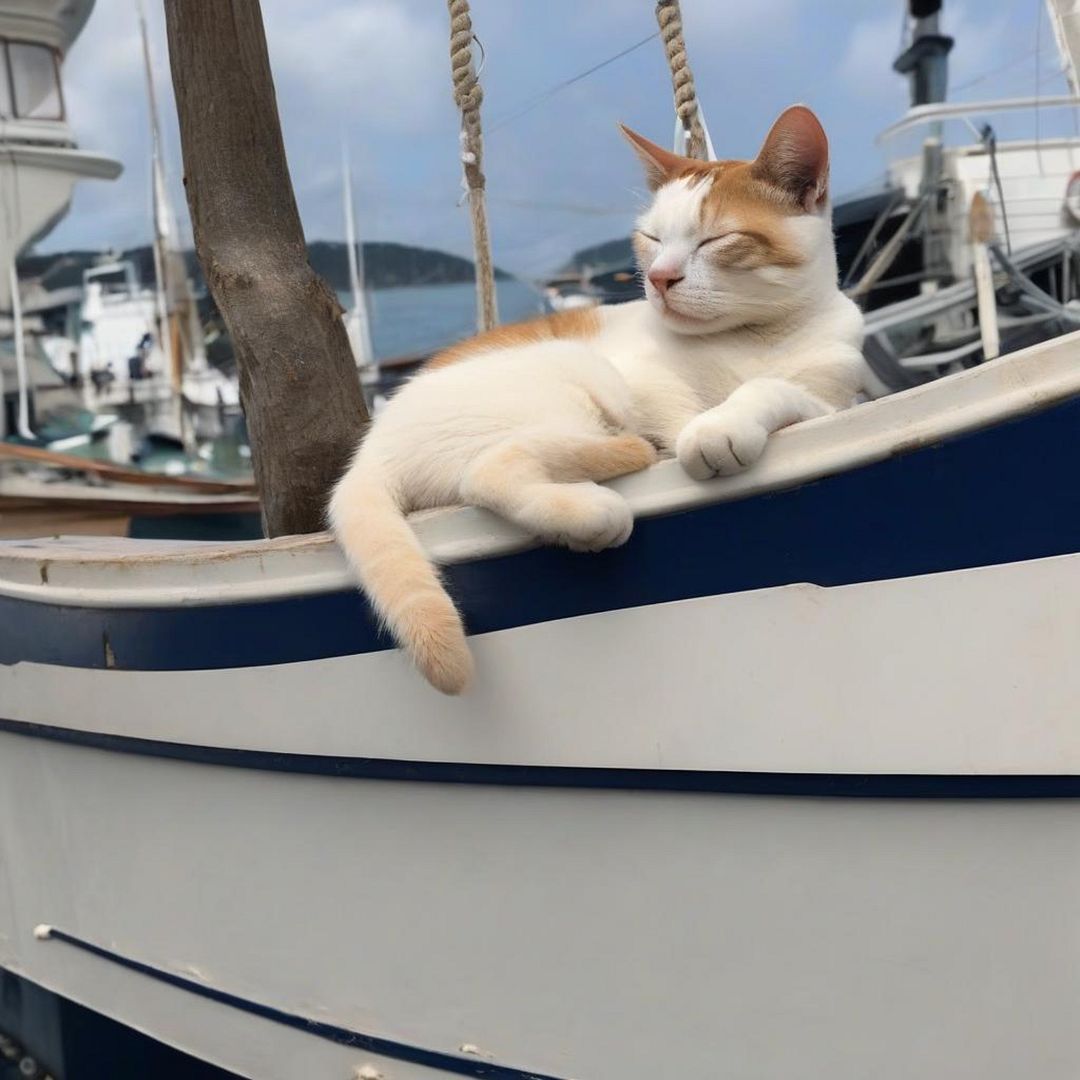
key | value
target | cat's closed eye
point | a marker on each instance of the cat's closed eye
(735, 250)
(648, 236)
(715, 239)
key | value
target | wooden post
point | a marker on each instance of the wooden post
(298, 382)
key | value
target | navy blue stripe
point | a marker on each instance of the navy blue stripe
(373, 1044)
(717, 782)
(1003, 494)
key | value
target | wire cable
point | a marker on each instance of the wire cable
(990, 141)
(558, 88)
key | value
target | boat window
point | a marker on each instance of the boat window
(34, 81)
(111, 281)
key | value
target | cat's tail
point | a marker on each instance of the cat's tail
(398, 578)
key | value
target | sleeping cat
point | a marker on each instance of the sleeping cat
(743, 332)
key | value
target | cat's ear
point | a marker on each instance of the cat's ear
(795, 158)
(660, 165)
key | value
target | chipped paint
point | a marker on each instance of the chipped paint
(475, 1051)
(193, 973)
(110, 656)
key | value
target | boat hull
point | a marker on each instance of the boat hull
(747, 851)
(788, 786)
(561, 931)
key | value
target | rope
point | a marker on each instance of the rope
(669, 17)
(468, 97)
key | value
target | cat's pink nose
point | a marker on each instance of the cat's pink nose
(663, 279)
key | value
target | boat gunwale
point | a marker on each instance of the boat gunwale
(119, 573)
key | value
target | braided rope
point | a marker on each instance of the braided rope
(468, 96)
(669, 16)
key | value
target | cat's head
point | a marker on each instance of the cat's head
(738, 243)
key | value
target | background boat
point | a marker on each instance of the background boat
(40, 163)
(107, 367)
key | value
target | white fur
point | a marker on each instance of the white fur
(707, 373)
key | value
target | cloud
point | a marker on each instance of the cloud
(706, 23)
(983, 41)
(872, 45)
(727, 22)
(360, 68)
(370, 57)
(981, 44)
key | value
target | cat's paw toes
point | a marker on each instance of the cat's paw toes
(720, 446)
(600, 520)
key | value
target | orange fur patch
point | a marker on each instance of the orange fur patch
(736, 196)
(603, 458)
(579, 324)
(621, 455)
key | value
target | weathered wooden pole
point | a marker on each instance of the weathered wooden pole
(298, 382)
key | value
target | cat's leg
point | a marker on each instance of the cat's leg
(732, 436)
(595, 457)
(547, 486)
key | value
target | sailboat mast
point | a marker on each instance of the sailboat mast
(1065, 19)
(159, 208)
(22, 419)
(350, 229)
(359, 324)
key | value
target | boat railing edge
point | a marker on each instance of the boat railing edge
(121, 574)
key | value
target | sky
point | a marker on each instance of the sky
(375, 74)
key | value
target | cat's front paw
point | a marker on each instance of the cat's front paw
(582, 517)
(720, 443)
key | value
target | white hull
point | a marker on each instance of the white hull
(599, 934)
(710, 697)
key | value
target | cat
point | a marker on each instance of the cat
(743, 331)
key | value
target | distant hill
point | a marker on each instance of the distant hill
(386, 265)
(62, 269)
(611, 253)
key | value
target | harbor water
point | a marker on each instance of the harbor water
(416, 319)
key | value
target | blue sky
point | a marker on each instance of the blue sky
(559, 177)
